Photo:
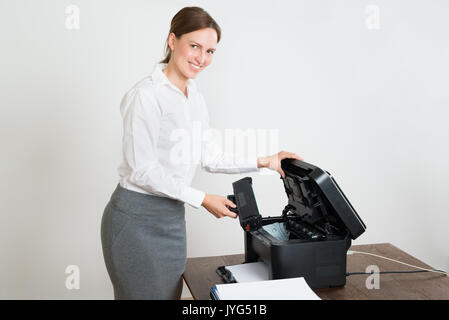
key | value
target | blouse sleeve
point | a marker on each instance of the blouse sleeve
(142, 120)
(215, 160)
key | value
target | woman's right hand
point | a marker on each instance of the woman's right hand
(217, 205)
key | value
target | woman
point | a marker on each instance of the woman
(143, 226)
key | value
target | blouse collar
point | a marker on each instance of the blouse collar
(159, 77)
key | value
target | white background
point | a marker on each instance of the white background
(368, 105)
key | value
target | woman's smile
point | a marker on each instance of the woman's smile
(195, 67)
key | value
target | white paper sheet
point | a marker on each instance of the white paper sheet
(282, 289)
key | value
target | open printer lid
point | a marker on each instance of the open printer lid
(315, 194)
(311, 191)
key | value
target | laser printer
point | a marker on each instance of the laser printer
(313, 233)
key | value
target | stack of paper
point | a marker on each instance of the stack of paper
(253, 284)
(282, 289)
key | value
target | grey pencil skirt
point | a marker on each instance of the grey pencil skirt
(144, 245)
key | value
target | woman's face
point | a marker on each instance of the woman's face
(193, 51)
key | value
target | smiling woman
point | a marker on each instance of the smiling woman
(190, 54)
(143, 229)
(191, 44)
(188, 20)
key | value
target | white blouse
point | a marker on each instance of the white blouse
(160, 127)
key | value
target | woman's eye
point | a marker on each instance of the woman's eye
(194, 46)
(211, 52)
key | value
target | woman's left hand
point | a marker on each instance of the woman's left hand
(274, 162)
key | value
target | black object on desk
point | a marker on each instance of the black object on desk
(225, 274)
(319, 219)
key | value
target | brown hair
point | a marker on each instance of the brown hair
(187, 20)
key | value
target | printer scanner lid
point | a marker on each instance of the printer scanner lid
(315, 193)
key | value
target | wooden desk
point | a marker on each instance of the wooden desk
(200, 276)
